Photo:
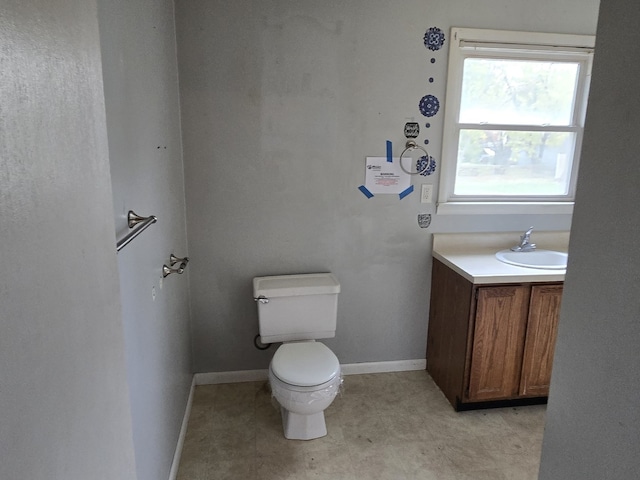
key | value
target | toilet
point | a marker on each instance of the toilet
(304, 374)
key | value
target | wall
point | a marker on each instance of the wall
(63, 389)
(593, 420)
(142, 106)
(281, 102)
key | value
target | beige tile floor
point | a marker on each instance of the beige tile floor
(382, 426)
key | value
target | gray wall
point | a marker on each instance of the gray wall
(281, 103)
(63, 390)
(593, 419)
(143, 123)
(266, 195)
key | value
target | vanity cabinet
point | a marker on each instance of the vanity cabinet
(490, 342)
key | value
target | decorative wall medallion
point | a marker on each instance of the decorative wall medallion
(434, 38)
(429, 105)
(411, 130)
(424, 220)
(426, 166)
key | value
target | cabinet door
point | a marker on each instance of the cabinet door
(542, 329)
(498, 341)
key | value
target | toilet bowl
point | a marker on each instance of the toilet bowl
(305, 379)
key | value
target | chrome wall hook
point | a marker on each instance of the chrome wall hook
(173, 260)
(166, 271)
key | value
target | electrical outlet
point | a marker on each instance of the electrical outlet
(426, 193)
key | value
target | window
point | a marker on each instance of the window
(514, 117)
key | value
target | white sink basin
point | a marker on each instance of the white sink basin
(544, 259)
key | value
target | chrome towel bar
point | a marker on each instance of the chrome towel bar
(140, 224)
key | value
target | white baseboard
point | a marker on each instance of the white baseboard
(212, 378)
(383, 367)
(173, 474)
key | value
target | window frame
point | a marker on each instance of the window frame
(480, 43)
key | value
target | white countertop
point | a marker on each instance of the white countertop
(473, 255)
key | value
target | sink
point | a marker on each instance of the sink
(545, 259)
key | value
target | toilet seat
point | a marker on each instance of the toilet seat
(305, 364)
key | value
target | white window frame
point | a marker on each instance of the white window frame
(476, 43)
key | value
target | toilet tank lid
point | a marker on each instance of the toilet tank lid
(292, 285)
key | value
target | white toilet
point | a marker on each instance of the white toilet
(304, 374)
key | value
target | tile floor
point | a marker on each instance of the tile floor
(382, 426)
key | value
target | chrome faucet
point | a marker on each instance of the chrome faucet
(525, 244)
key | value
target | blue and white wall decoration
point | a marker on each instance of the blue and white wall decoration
(426, 166)
(424, 220)
(411, 129)
(434, 39)
(429, 105)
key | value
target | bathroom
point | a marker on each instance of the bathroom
(237, 185)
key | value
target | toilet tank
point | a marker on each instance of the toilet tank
(296, 307)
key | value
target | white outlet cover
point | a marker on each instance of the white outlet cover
(426, 193)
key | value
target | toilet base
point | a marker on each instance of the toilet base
(303, 427)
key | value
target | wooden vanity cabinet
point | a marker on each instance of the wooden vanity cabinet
(490, 342)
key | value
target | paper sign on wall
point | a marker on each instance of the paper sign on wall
(385, 177)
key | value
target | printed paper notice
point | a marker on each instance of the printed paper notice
(385, 177)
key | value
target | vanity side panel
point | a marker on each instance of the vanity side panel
(451, 298)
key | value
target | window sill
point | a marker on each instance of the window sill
(504, 208)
